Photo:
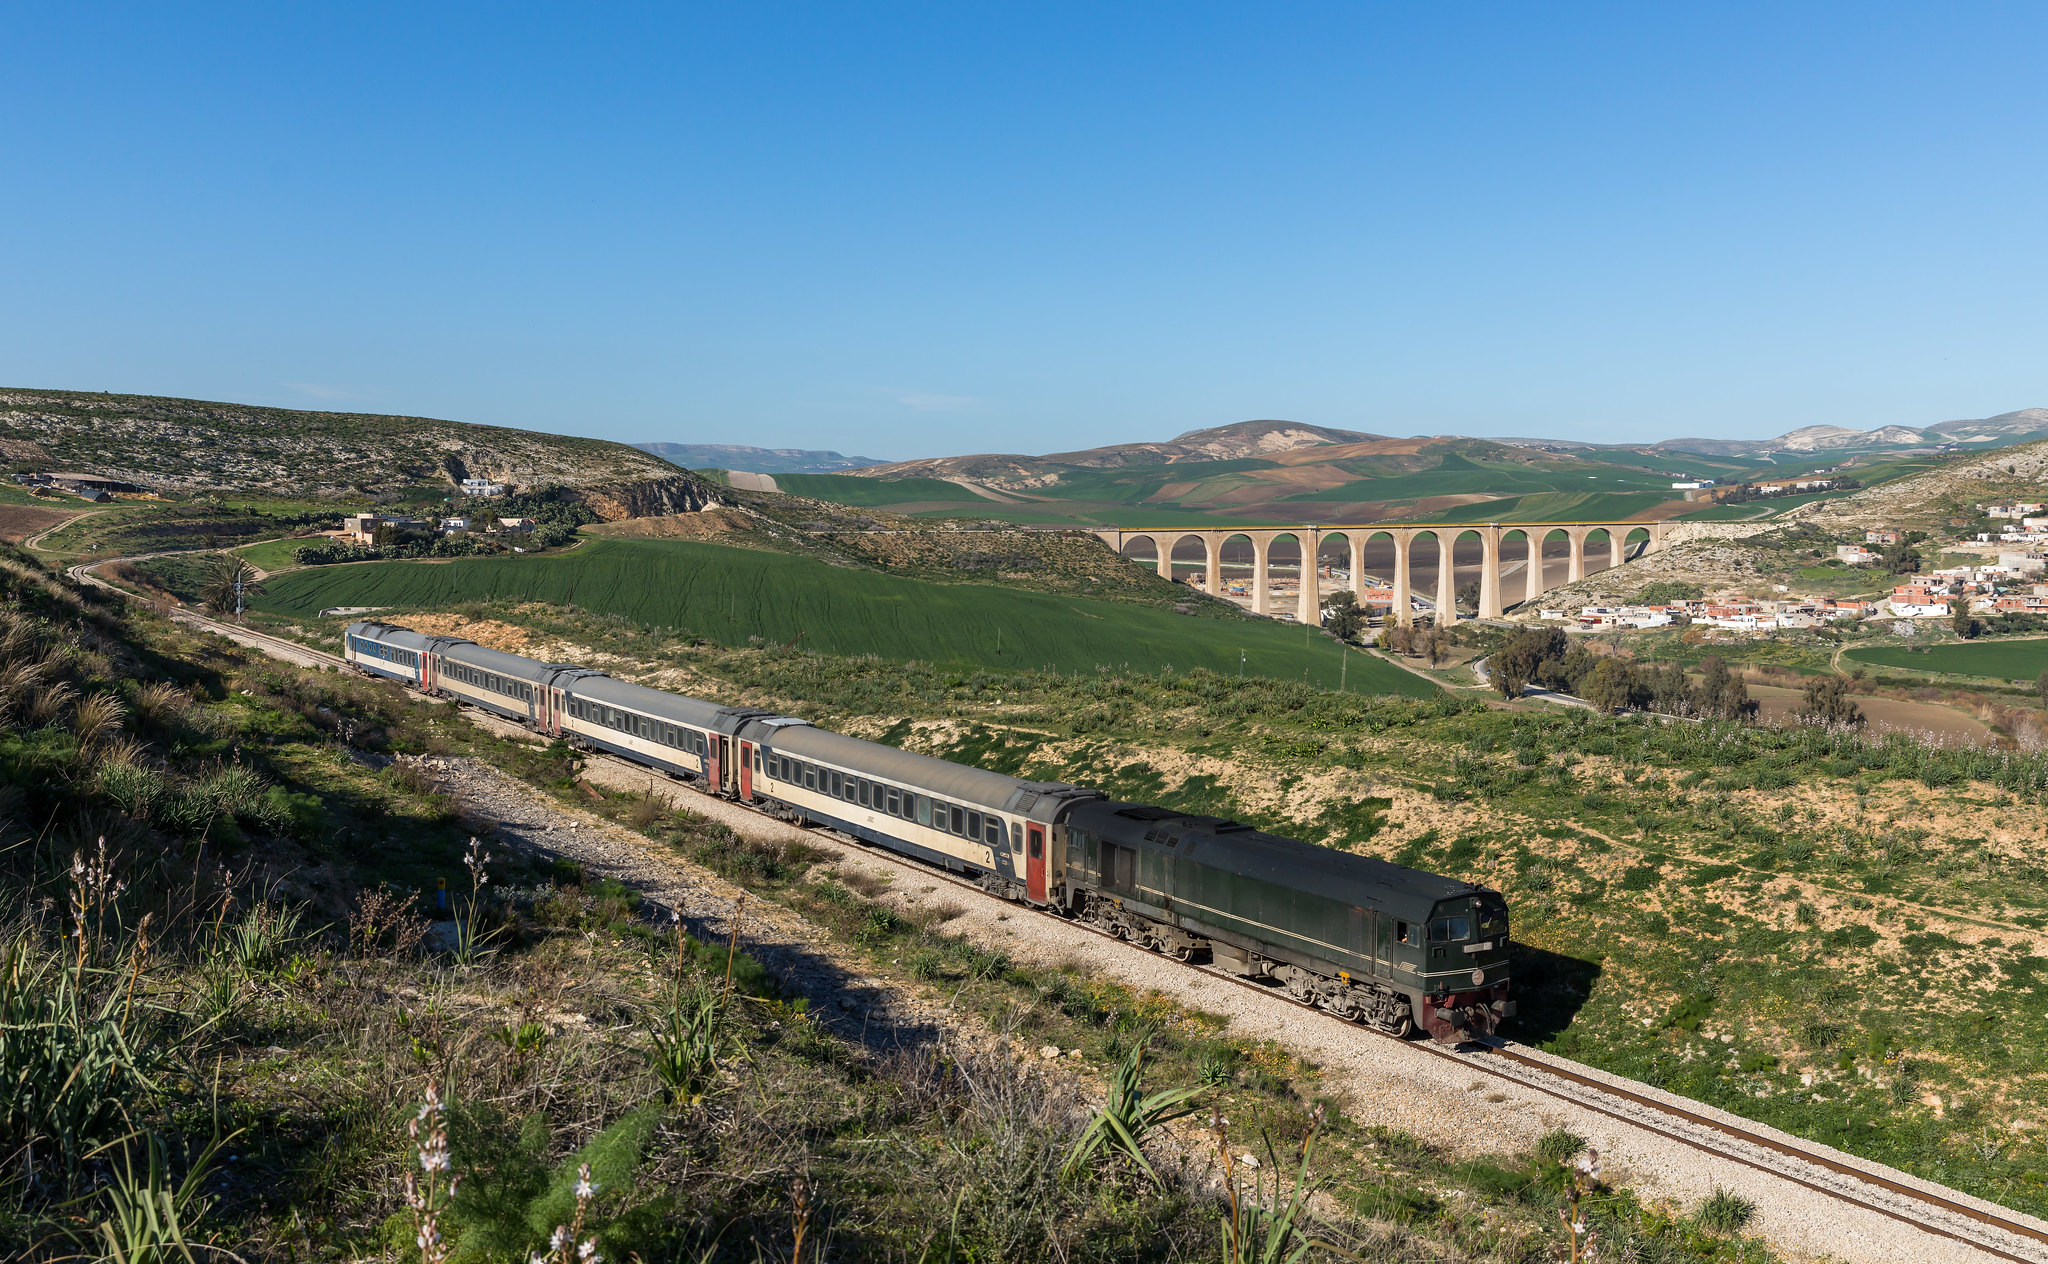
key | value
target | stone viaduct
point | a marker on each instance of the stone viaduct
(1619, 537)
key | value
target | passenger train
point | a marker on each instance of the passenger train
(1368, 940)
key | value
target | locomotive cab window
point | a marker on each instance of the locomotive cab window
(1450, 929)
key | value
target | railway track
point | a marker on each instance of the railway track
(1881, 1192)
(1638, 1106)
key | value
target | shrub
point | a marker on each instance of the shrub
(1724, 1212)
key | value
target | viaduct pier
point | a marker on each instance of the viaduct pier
(1533, 542)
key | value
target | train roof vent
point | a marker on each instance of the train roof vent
(1026, 800)
(1146, 812)
(785, 721)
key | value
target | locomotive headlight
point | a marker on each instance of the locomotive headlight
(1478, 977)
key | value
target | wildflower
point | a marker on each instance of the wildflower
(584, 1188)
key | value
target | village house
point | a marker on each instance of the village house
(1854, 554)
(1918, 601)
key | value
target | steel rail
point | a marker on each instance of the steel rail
(1477, 1059)
(1474, 1060)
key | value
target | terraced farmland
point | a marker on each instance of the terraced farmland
(728, 595)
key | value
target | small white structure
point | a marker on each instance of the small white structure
(482, 487)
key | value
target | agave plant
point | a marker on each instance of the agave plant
(684, 1056)
(1122, 1123)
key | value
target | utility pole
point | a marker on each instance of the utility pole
(238, 594)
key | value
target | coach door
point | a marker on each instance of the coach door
(427, 675)
(1034, 861)
(746, 772)
(714, 762)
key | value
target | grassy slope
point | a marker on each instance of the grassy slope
(845, 489)
(2010, 660)
(730, 594)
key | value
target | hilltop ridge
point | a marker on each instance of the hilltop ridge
(192, 445)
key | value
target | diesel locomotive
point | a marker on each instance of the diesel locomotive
(1367, 940)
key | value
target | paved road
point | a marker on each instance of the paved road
(1537, 692)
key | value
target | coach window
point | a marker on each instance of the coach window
(959, 820)
(974, 825)
(1017, 837)
(895, 801)
(924, 810)
(993, 833)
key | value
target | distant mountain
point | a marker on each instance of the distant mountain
(734, 456)
(2003, 429)
(1242, 440)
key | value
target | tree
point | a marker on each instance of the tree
(1343, 617)
(1506, 677)
(1666, 592)
(1828, 702)
(1467, 596)
(1436, 645)
(1959, 617)
(1901, 558)
(1612, 686)
(1523, 657)
(1723, 695)
(228, 584)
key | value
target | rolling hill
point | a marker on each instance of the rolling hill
(736, 456)
(1280, 472)
(200, 445)
(729, 595)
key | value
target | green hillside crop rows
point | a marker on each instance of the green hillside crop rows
(846, 489)
(2010, 660)
(730, 594)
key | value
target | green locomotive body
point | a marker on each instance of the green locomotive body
(1366, 939)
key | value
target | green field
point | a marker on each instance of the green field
(1557, 507)
(274, 555)
(729, 595)
(845, 489)
(2007, 660)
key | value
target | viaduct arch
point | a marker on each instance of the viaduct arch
(1531, 544)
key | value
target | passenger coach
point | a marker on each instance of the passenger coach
(1365, 939)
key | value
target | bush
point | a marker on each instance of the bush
(1724, 1212)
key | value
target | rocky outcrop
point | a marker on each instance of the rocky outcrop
(684, 493)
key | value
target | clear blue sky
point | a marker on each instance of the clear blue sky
(904, 231)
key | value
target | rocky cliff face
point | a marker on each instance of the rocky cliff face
(654, 498)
